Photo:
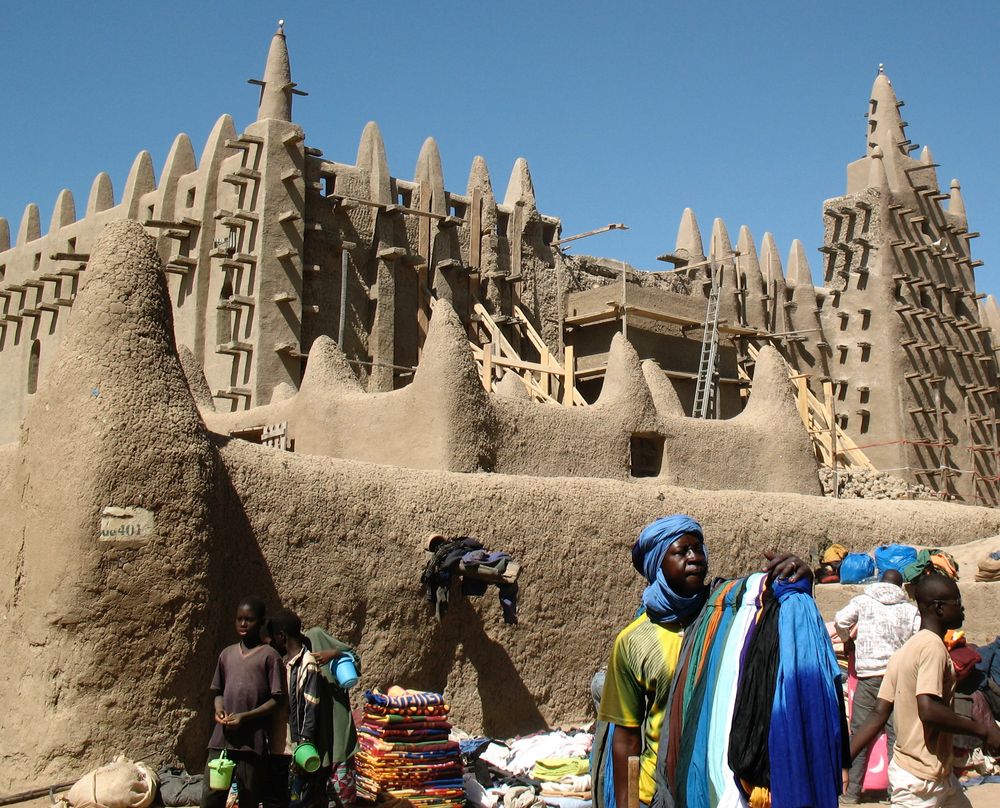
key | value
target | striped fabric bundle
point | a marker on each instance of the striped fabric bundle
(405, 750)
(753, 663)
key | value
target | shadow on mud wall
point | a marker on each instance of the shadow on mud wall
(235, 568)
(508, 706)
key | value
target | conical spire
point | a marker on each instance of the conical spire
(276, 88)
(520, 188)
(4, 235)
(430, 175)
(479, 177)
(371, 156)
(748, 267)
(689, 244)
(31, 226)
(799, 274)
(64, 212)
(956, 205)
(770, 261)
(721, 250)
(102, 195)
(885, 126)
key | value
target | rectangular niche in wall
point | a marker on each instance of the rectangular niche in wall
(646, 455)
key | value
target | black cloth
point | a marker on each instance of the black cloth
(438, 573)
(748, 741)
(274, 788)
(178, 788)
(250, 777)
(443, 567)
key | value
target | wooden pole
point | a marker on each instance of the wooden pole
(570, 383)
(633, 782)
(488, 367)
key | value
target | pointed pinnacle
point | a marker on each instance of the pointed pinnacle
(956, 204)
(689, 244)
(276, 86)
(799, 273)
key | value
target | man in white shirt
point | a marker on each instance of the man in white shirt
(879, 620)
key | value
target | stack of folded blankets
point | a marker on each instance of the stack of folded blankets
(405, 752)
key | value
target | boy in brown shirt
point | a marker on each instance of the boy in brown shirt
(917, 690)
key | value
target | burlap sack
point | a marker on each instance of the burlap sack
(989, 570)
(121, 784)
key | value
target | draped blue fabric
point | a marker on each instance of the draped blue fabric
(805, 736)
(662, 604)
(698, 790)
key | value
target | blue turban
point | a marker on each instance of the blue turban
(663, 605)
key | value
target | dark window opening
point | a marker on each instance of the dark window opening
(38, 261)
(459, 209)
(864, 396)
(404, 196)
(865, 419)
(646, 456)
(190, 197)
(33, 360)
(329, 183)
(862, 281)
(502, 220)
(548, 233)
(866, 352)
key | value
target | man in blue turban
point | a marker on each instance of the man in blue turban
(671, 555)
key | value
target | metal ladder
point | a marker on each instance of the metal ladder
(704, 394)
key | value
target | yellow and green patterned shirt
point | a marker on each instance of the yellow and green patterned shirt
(641, 669)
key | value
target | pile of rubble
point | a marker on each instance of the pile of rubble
(871, 485)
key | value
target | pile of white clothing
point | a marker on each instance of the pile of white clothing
(520, 755)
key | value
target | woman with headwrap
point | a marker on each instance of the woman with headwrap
(670, 553)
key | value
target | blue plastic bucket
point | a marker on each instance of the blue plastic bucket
(345, 670)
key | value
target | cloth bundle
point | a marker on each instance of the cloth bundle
(989, 568)
(932, 561)
(756, 682)
(406, 752)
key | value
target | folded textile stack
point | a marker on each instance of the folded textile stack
(405, 750)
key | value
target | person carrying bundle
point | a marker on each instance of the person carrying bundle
(671, 554)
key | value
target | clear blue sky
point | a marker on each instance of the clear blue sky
(625, 111)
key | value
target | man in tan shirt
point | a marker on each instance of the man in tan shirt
(917, 690)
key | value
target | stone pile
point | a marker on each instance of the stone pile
(871, 485)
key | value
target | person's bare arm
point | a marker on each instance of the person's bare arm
(871, 727)
(220, 708)
(626, 743)
(266, 708)
(937, 715)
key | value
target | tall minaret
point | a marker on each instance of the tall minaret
(260, 346)
(911, 366)
(277, 87)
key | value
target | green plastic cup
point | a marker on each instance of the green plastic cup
(220, 773)
(306, 757)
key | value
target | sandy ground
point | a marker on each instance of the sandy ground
(986, 795)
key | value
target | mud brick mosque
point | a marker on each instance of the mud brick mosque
(267, 368)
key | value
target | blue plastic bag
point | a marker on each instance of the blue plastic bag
(894, 557)
(856, 567)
